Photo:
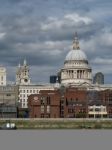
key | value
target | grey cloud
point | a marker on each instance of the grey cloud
(45, 50)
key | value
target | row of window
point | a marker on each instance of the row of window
(29, 91)
(44, 116)
(23, 101)
(6, 94)
(71, 110)
(24, 105)
(7, 88)
(98, 109)
(43, 109)
(45, 101)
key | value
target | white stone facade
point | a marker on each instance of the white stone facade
(97, 110)
(76, 72)
(2, 76)
(26, 90)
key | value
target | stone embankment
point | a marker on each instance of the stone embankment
(60, 123)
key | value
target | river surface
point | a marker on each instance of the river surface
(56, 140)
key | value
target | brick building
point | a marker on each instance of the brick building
(107, 99)
(61, 103)
(44, 105)
(73, 102)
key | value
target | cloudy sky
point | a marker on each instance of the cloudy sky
(42, 31)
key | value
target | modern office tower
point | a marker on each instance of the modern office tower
(98, 78)
(53, 78)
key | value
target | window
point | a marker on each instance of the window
(62, 113)
(70, 110)
(48, 109)
(42, 109)
(8, 94)
(66, 102)
(48, 116)
(1, 78)
(42, 116)
(76, 99)
(62, 107)
(110, 99)
(91, 109)
(23, 104)
(97, 109)
(42, 102)
(48, 100)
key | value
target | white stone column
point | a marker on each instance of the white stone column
(80, 74)
(90, 74)
(66, 74)
(77, 74)
(84, 74)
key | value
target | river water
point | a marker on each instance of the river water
(56, 140)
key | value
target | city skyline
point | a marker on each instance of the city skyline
(42, 31)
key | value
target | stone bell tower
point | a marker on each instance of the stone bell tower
(22, 74)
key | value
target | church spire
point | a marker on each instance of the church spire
(76, 42)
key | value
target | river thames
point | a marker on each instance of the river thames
(56, 140)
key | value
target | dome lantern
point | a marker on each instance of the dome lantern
(76, 42)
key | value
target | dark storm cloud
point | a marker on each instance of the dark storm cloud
(42, 32)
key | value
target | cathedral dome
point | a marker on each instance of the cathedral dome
(76, 68)
(76, 55)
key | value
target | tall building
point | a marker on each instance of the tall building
(98, 78)
(76, 68)
(22, 74)
(9, 94)
(53, 78)
(2, 75)
(8, 101)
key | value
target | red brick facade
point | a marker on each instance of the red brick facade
(44, 105)
(107, 99)
(67, 103)
(64, 103)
